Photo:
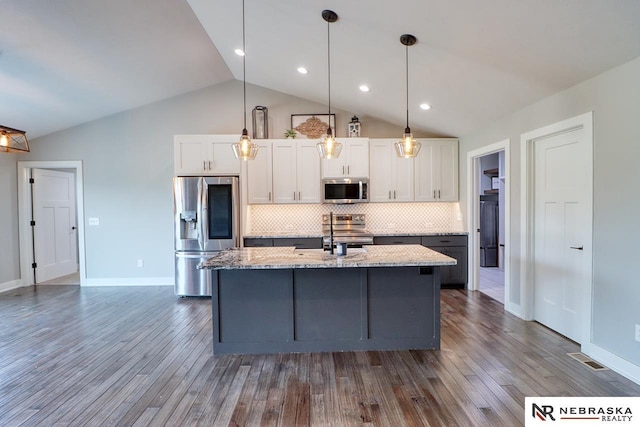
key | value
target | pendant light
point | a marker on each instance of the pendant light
(13, 140)
(408, 147)
(329, 148)
(244, 149)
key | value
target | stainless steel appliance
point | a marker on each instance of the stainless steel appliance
(489, 230)
(347, 228)
(206, 220)
(345, 190)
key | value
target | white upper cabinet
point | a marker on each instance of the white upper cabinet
(260, 175)
(352, 162)
(205, 155)
(290, 174)
(436, 171)
(392, 177)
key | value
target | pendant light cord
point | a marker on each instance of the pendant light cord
(407, 80)
(244, 71)
(329, 66)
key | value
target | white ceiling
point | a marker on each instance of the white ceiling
(66, 62)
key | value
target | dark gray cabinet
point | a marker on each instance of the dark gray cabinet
(397, 240)
(298, 243)
(455, 246)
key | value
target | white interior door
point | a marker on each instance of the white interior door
(562, 231)
(54, 213)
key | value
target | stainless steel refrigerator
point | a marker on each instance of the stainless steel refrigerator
(206, 220)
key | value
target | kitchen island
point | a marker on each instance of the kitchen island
(283, 299)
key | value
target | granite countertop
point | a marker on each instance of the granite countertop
(290, 257)
(302, 234)
(376, 232)
(430, 232)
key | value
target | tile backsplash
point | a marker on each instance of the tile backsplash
(380, 216)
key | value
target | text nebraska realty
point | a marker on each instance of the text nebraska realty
(609, 413)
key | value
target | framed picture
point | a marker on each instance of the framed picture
(313, 126)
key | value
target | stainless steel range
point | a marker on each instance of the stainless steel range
(347, 228)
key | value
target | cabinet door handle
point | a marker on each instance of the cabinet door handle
(438, 194)
(342, 170)
(434, 194)
(298, 196)
(269, 195)
(389, 194)
(577, 247)
(204, 165)
(348, 170)
(209, 164)
(294, 195)
(394, 194)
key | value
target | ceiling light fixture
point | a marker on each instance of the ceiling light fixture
(364, 88)
(12, 140)
(244, 149)
(425, 106)
(239, 52)
(302, 70)
(329, 148)
(408, 147)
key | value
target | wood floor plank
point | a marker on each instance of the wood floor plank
(140, 356)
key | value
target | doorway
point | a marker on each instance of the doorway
(557, 225)
(491, 224)
(27, 208)
(489, 183)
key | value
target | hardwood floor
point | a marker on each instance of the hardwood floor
(492, 283)
(139, 356)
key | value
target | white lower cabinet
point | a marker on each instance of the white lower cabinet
(436, 171)
(392, 177)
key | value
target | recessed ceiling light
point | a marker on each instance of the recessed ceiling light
(302, 70)
(364, 88)
(425, 106)
(239, 52)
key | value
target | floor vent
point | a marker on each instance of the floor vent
(585, 360)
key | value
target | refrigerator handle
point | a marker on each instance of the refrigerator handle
(203, 214)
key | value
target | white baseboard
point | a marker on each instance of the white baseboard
(613, 362)
(130, 281)
(12, 284)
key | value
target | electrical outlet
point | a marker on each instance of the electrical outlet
(638, 333)
(140, 263)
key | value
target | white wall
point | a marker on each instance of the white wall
(128, 164)
(9, 260)
(614, 98)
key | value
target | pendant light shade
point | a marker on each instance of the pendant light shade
(329, 148)
(244, 149)
(407, 147)
(13, 140)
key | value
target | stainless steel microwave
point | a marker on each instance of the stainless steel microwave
(345, 190)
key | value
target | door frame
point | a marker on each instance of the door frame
(24, 214)
(473, 208)
(527, 141)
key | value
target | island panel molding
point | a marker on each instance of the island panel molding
(282, 299)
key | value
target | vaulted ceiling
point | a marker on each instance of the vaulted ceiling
(66, 62)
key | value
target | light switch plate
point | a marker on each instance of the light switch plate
(94, 221)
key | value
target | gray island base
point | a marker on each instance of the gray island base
(273, 300)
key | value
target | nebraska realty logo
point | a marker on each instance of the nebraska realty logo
(582, 411)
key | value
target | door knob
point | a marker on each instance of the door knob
(73, 228)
